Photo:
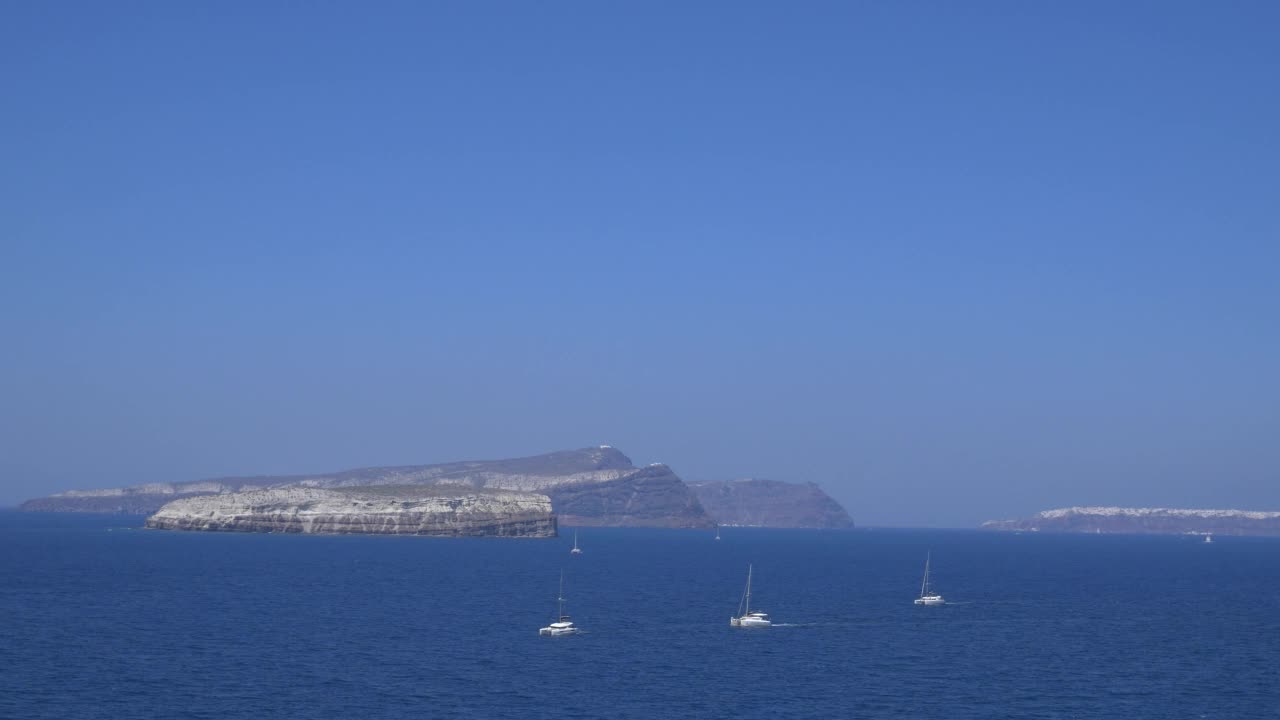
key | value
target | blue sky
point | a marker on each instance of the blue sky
(953, 261)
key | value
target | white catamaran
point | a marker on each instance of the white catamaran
(562, 625)
(576, 550)
(745, 617)
(928, 597)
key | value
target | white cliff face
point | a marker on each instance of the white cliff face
(105, 492)
(536, 483)
(380, 510)
(1156, 512)
(1097, 519)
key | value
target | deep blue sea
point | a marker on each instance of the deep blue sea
(99, 619)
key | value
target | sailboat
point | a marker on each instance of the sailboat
(576, 550)
(717, 532)
(562, 625)
(745, 617)
(928, 597)
(1208, 538)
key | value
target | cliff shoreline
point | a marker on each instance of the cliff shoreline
(435, 512)
(1144, 521)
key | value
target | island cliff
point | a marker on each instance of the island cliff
(590, 486)
(394, 510)
(770, 503)
(1144, 521)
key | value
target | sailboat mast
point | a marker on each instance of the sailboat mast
(748, 612)
(924, 584)
(560, 598)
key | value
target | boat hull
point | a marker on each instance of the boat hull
(556, 632)
(931, 600)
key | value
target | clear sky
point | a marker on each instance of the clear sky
(952, 261)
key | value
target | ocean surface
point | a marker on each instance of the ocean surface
(99, 619)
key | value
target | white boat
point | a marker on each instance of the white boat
(928, 597)
(1208, 538)
(562, 625)
(717, 532)
(576, 550)
(745, 617)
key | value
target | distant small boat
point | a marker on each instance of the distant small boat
(562, 625)
(928, 597)
(745, 617)
(1208, 538)
(576, 550)
(717, 532)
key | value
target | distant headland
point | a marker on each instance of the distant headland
(1162, 521)
(753, 502)
(595, 486)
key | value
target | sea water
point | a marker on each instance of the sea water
(100, 619)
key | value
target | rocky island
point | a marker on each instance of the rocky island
(377, 510)
(770, 503)
(1144, 521)
(590, 486)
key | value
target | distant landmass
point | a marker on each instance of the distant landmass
(590, 486)
(376, 510)
(770, 503)
(1145, 521)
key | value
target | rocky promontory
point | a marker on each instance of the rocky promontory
(770, 503)
(590, 486)
(652, 496)
(382, 510)
(1153, 521)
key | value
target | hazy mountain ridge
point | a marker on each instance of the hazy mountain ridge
(770, 503)
(595, 486)
(1096, 519)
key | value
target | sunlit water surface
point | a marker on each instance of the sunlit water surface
(99, 619)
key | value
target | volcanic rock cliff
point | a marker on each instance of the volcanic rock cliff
(1154, 521)
(770, 503)
(377, 510)
(590, 486)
